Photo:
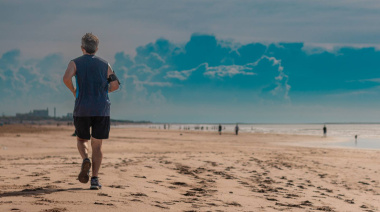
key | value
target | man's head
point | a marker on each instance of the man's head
(90, 43)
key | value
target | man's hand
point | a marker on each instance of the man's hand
(70, 72)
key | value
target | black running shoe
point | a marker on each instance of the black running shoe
(84, 174)
(95, 185)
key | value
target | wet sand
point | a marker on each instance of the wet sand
(158, 170)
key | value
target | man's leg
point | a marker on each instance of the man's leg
(100, 131)
(82, 145)
(97, 155)
(82, 130)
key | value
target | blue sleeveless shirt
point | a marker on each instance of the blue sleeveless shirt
(92, 87)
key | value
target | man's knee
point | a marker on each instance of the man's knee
(81, 139)
(96, 144)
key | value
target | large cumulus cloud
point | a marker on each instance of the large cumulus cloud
(254, 70)
(185, 73)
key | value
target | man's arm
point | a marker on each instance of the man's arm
(114, 85)
(70, 72)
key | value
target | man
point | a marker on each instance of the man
(94, 80)
(220, 129)
(324, 131)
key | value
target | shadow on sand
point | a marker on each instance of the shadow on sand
(37, 191)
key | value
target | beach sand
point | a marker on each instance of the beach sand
(170, 170)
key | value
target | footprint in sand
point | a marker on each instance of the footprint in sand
(118, 186)
(234, 204)
(139, 194)
(180, 183)
(104, 195)
(101, 203)
(160, 206)
(55, 210)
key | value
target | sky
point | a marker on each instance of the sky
(195, 61)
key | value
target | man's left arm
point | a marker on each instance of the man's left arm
(113, 80)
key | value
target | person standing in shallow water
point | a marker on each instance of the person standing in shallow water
(220, 129)
(94, 80)
(324, 131)
(237, 129)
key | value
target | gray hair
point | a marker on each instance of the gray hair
(90, 43)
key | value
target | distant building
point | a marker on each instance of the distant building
(35, 113)
(69, 115)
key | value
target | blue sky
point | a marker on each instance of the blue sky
(200, 61)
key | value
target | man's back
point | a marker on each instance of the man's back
(94, 78)
(92, 87)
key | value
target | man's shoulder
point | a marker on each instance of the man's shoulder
(77, 58)
(100, 59)
(84, 58)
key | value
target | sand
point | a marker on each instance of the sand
(169, 170)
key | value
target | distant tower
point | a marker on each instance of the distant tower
(47, 111)
(54, 112)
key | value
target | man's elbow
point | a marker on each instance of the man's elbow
(65, 79)
(114, 87)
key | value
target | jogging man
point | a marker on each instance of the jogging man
(94, 80)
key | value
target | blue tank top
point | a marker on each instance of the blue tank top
(92, 87)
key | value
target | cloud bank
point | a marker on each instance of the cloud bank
(206, 78)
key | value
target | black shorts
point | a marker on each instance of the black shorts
(100, 127)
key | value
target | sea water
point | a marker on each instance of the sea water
(368, 134)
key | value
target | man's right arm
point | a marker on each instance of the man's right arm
(70, 72)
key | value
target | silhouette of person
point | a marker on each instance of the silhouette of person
(236, 129)
(356, 140)
(220, 129)
(324, 131)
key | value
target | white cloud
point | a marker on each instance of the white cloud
(181, 75)
(230, 71)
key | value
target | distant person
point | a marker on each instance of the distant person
(324, 131)
(220, 129)
(95, 79)
(237, 129)
(356, 140)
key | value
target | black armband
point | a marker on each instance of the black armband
(112, 78)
